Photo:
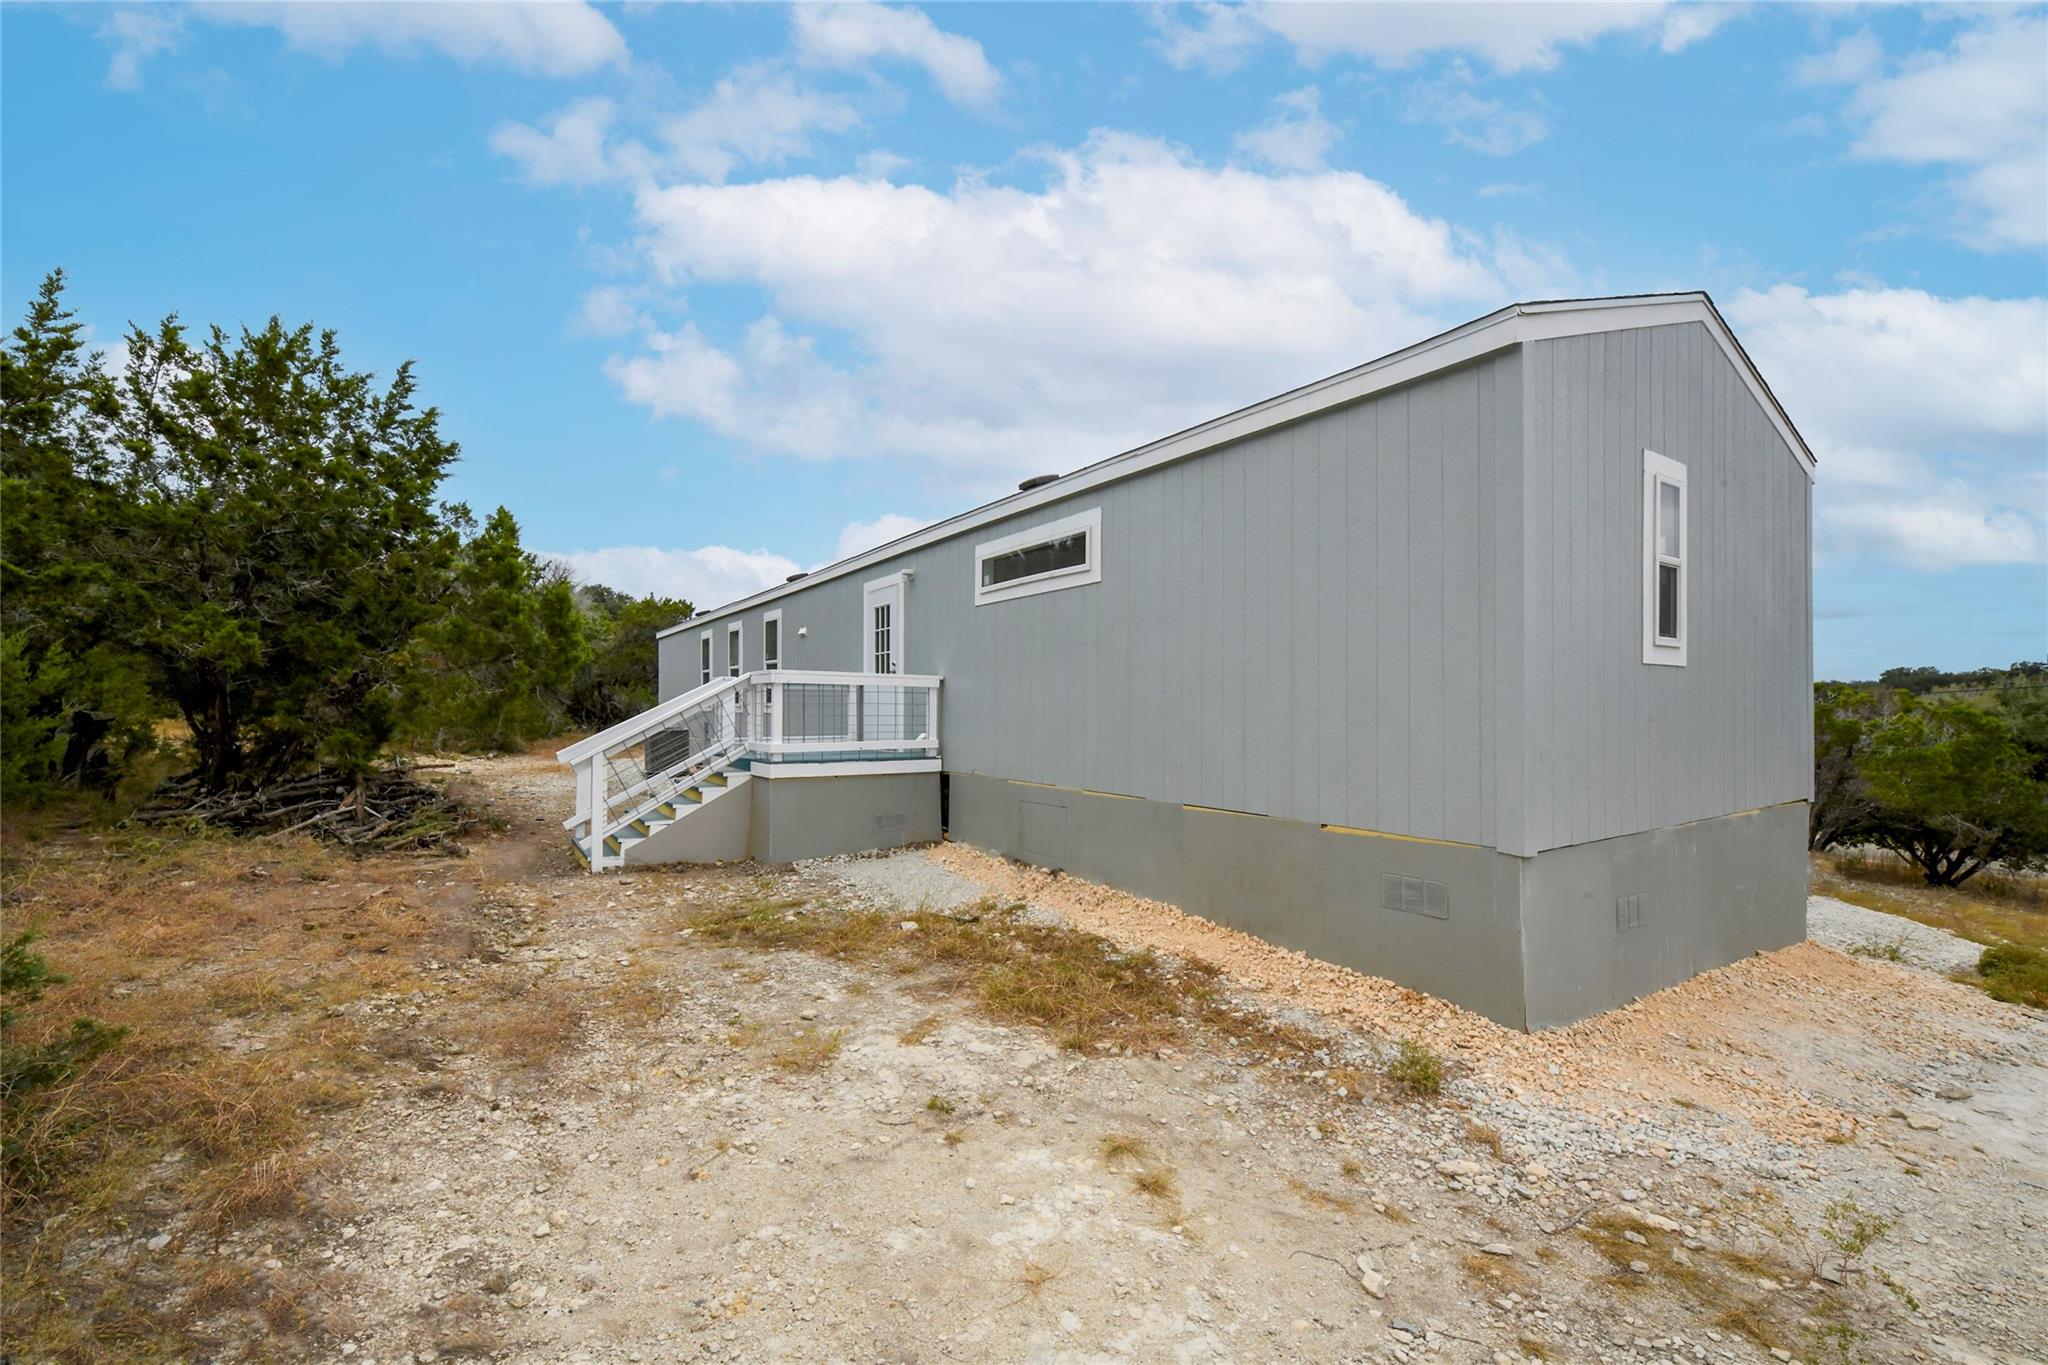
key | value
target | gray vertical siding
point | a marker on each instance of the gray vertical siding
(1296, 625)
(1417, 614)
(1615, 745)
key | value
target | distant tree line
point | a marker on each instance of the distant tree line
(240, 533)
(1948, 770)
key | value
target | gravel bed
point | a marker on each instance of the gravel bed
(905, 879)
(1853, 929)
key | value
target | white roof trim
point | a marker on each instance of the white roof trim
(1510, 326)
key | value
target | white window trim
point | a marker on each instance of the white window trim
(705, 659)
(1089, 571)
(1658, 469)
(780, 642)
(735, 649)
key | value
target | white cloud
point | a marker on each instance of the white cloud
(856, 33)
(998, 331)
(1929, 415)
(559, 38)
(570, 150)
(1504, 189)
(1506, 36)
(1855, 58)
(880, 164)
(757, 115)
(1469, 119)
(609, 310)
(707, 577)
(1217, 39)
(1980, 107)
(1944, 527)
(1296, 138)
(772, 391)
(136, 35)
(866, 535)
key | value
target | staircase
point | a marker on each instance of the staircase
(642, 775)
(653, 819)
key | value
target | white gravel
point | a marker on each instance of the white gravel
(905, 880)
(1851, 928)
(908, 880)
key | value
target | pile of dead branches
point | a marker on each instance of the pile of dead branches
(390, 809)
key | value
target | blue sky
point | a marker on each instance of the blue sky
(710, 293)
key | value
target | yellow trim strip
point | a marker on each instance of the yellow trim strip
(1221, 810)
(1079, 791)
(1401, 838)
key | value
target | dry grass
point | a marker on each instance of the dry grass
(1155, 1182)
(535, 1027)
(1498, 1274)
(920, 1031)
(1349, 1082)
(247, 973)
(1487, 1139)
(807, 1053)
(1035, 1277)
(1989, 908)
(1720, 1281)
(1321, 1199)
(1080, 988)
(1120, 1147)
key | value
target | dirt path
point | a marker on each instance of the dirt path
(668, 1149)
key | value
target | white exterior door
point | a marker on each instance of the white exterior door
(882, 653)
(882, 625)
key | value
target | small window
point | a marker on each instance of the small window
(732, 650)
(1664, 560)
(771, 640)
(704, 659)
(1064, 554)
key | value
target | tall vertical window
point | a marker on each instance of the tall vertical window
(1664, 560)
(771, 640)
(885, 651)
(732, 650)
(704, 659)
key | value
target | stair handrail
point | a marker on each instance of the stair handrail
(633, 727)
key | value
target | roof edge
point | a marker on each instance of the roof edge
(1534, 320)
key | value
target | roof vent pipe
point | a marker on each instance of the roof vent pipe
(1037, 481)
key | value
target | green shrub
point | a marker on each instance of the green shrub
(2015, 974)
(30, 1069)
(1416, 1069)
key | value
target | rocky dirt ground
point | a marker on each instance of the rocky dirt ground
(696, 1147)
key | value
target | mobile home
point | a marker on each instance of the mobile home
(1484, 666)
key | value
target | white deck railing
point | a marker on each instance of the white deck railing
(778, 716)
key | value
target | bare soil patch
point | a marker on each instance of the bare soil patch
(495, 1107)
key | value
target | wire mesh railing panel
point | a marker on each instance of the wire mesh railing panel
(871, 715)
(673, 753)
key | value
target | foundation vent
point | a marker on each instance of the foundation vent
(1628, 913)
(1414, 896)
